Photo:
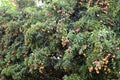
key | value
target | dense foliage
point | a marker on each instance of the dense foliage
(62, 40)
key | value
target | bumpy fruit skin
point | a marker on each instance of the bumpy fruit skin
(64, 42)
(63, 12)
(77, 30)
(90, 69)
(101, 3)
(84, 47)
(119, 72)
(59, 11)
(69, 48)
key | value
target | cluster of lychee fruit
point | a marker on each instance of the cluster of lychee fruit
(102, 64)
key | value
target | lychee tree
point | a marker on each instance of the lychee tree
(64, 40)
